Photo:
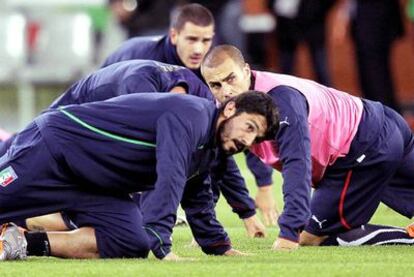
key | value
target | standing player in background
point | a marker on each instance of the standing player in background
(351, 150)
(303, 21)
(375, 26)
(86, 160)
(190, 37)
(137, 76)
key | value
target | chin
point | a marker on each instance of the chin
(191, 65)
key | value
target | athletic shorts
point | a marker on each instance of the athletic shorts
(352, 189)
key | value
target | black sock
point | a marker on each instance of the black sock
(330, 241)
(370, 234)
(37, 244)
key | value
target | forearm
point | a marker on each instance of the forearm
(199, 208)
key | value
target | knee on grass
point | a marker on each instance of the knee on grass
(118, 246)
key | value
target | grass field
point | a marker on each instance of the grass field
(322, 261)
(317, 261)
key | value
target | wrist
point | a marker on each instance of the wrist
(249, 219)
(265, 188)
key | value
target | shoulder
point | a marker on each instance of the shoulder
(290, 102)
(192, 104)
(287, 94)
(141, 45)
(192, 109)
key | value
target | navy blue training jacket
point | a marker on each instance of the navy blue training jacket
(132, 77)
(141, 142)
(231, 184)
(157, 48)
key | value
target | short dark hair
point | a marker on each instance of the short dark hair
(194, 13)
(218, 54)
(257, 102)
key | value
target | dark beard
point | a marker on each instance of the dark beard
(239, 146)
(220, 130)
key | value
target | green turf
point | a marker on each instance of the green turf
(316, 261)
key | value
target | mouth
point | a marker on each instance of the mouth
(239, 146)
(195, 59)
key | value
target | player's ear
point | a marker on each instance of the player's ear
(247, 71)
(173, 35)
(230, 109)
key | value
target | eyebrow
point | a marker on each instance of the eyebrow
(192, 37)
(214, 83)
(255, 124)
(222, 80)
(228, 77)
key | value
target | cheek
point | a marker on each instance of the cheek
(183, 48)
(219, 96)
(227, 131)
(188, 49)
(241, 86)
(237, 130)
(207, 47)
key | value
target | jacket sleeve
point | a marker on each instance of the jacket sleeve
(198, 205)
(293, 140)
(175, 144)
(203, 91)
(226, 177)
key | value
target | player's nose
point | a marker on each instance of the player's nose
(227, 91)
(249, 139)
(198, 48)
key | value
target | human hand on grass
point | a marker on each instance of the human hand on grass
(254, 228)
(193, 244)
(172, 257)
(265, 202)
(234, 252)
(282, 244)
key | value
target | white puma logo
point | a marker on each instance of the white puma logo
(284, 121)
(319, 222)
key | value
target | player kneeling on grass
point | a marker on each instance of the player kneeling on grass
(353, 151)
(86, 159)
(188, 41)
(138, 76)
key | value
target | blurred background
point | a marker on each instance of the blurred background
(360, 46)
